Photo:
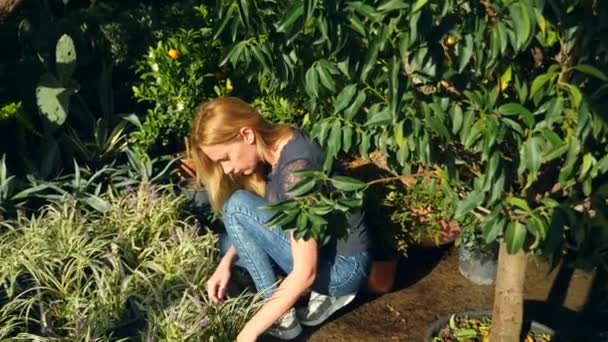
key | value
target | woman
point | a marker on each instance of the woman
(246, 163)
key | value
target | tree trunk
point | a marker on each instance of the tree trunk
(507, 316)
(7, 7)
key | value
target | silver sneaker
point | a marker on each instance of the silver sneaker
(287, 327)
(320, 307)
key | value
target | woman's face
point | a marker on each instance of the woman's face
(239, 157)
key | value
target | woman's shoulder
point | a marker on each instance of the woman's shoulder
(301, 146)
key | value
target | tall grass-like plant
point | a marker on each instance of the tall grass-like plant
(136, 271)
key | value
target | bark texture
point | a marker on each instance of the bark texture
(507, 317)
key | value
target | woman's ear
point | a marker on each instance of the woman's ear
(248, 135)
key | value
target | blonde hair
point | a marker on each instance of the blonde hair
(219, 122)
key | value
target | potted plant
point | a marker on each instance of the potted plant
(421, 213)
(474, 326)
(477, 259)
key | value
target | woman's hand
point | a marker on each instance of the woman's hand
(216, 285)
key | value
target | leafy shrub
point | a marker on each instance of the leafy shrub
(420, 211)
(278, 109)
(175, 75)
(72, 274)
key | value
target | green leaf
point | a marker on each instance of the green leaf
(326, 78)
(353, 109)
(465, 52)
(302, 187)
(587, 162)
(532, 155)
(438, 126)
(539, 82)
(282, 219)
(573, 153)
(352, 202)
(366, 10)
(492, 229)
(295, 12)
(575, 94)
(390, 5)
(335, 138)
(515, 108)
(474, 134)
(97, 203)
(29, 191)
(515, 236)
(602, 165)
(365, 144)
(382, 117)
(347, 183)
(65, 56)
(316, 219)
(393, 79)
(464, 333)
(52, 99)
(469, 203)
(244, 11)
(558, 151)
(591, 70)
(323, 130)
(519, 202)
(551, 136)
(281, 206)
(370, 58)
(302, 220)
(344, 97)
(347, 138)
(521, 22)
(357, 25)
(456, 119)
(307, 173)
(511, 109)
(418, 5)
(312, 82)
(513, 125)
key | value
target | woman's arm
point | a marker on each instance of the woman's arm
(305, 254)
(229, 258)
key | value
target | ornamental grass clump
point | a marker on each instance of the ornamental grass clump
(137, 271)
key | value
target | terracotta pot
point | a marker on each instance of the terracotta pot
(381, 277)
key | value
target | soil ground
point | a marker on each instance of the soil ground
(429, 286)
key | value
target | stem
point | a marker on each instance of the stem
(367, 86)
(389, 179)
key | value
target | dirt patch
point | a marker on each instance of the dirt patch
(430, 286)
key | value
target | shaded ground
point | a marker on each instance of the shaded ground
(430, 286)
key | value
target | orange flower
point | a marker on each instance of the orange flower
(173, 53)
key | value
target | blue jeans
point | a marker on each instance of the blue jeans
(258, 247)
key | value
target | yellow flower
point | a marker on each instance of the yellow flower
(229, 87)
(173, 53)
(451, 40)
